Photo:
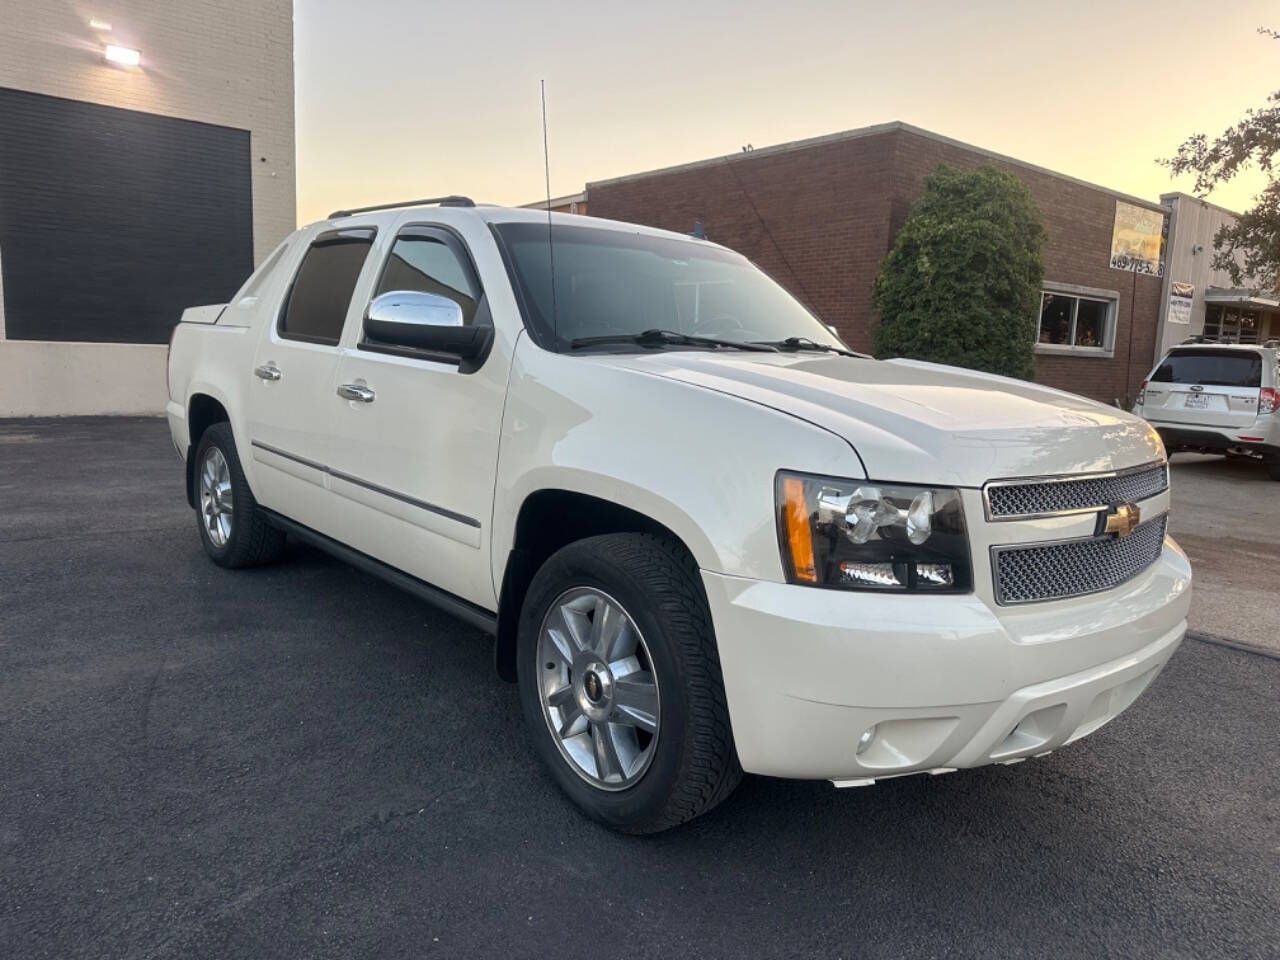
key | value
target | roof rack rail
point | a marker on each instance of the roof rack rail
(1200, 338)
(1272, 343)
(453, 200)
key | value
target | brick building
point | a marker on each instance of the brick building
(146, 165)
(820, 215)
(573, 203)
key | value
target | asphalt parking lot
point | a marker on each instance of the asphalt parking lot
(1226, 515)
(299, 761)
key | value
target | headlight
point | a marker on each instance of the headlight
(859, 534)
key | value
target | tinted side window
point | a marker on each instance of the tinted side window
(1219, 368)
(317, 305)
(430, 261)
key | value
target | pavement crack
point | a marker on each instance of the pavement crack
(386, 816)
(1241, 645)
(91, 535)
(147, 697)
(296, 874)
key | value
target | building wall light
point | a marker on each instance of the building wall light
(122, 56)
(102, 26)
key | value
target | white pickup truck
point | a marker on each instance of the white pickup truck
(706, 536)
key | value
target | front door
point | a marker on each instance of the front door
(293, 376)
(415, 439)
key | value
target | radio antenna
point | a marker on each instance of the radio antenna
(551, 245)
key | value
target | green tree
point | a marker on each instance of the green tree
(962, 282)
(1248, 249)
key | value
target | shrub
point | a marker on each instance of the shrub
(962, 282)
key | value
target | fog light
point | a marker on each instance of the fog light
(873, 574)
(935, 575)
(864, 741)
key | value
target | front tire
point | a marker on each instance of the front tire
(620, 683)
(233, 529)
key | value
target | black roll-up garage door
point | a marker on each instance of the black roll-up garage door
(113, 221)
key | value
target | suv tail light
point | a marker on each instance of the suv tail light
(1142, 393)
(1268, 400)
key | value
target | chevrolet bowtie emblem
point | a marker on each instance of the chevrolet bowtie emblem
(1122, 518)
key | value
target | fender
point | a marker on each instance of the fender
(587, 424)
(216, 379)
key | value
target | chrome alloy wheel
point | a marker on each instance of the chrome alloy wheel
(598, 688)
(215, 497)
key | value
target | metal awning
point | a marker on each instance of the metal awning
(1243, 297)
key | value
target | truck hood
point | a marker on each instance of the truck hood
(915, 422)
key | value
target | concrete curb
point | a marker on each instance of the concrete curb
(1218, 641)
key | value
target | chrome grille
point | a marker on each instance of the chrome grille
(1026, 573)
(1008, 499)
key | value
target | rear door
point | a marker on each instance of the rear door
(1205, 387)
(289, 414)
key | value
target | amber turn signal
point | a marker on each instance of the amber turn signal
(799, 536)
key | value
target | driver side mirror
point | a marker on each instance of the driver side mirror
(412, 322)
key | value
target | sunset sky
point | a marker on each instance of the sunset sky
(404, 98)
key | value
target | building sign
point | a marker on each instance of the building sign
(1137, 240)
(1180, 295)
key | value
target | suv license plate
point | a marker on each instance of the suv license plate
(1197, 401)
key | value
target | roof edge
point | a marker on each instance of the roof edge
(580, 197)
(776, 148)
(1173, 194)
(871, 131)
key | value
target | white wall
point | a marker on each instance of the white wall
(41, 379)
(228, 62)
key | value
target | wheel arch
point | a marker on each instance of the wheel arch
(549, 519)
(203, 411)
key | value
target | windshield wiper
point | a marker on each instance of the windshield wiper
(804, 343)
(659, 338)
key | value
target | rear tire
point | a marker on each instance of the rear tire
(233, 529)
(656, 611)
(1273, 469)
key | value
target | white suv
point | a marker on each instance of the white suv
(705, 535)
(1217, 398)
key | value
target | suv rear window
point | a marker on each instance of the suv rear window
(1216, 368)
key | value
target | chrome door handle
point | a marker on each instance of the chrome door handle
(267, 371)
(355, 391)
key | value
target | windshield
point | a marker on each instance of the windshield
(1215, 368)
(612, 283)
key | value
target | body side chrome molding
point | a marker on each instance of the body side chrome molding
(289, 456)
(348, 478)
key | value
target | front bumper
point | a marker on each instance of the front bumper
(945, 681)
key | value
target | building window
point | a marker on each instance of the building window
(1070, 322)
(1231, 325)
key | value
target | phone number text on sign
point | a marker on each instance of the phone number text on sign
(1137, 265)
